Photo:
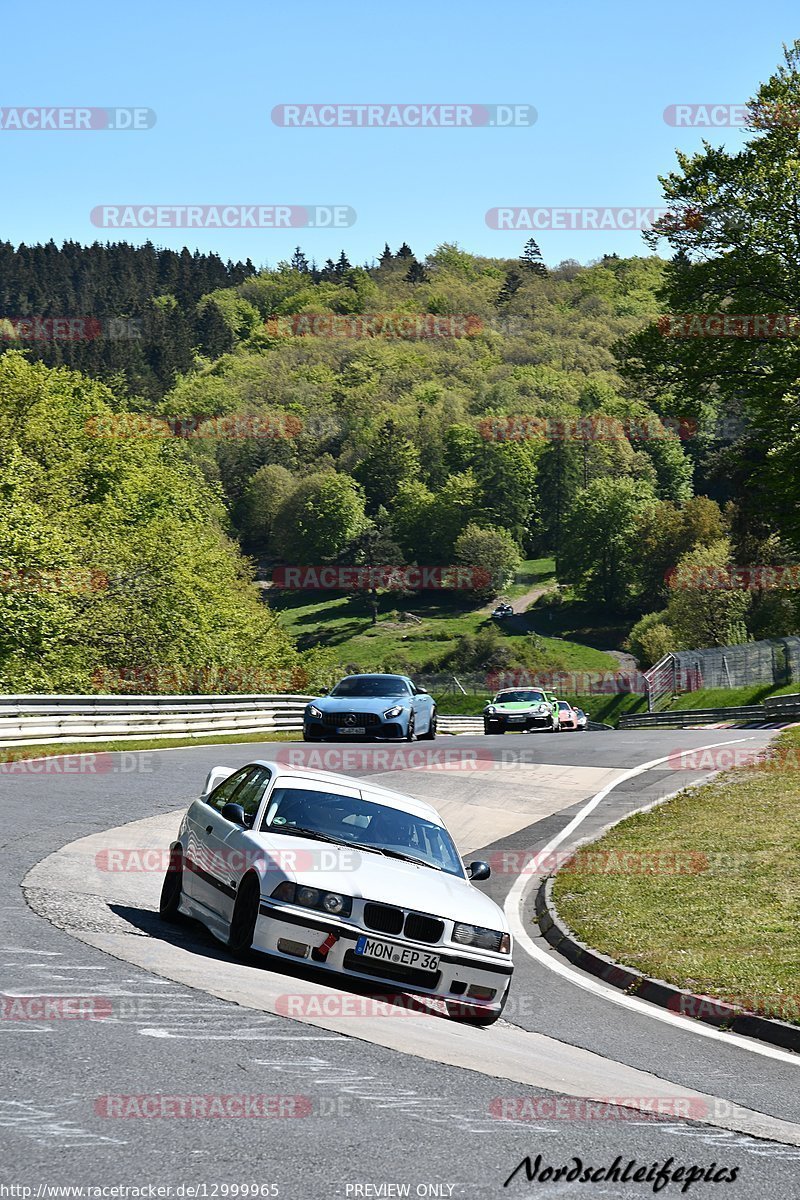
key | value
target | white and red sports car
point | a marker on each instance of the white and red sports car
(355, 879)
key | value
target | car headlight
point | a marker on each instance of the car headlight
(490, 710)
(396, 711)
(311, 897)
(482, 939)
(313, 711)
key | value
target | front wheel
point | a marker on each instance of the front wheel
(245, 914)
(431, 734)
(172, 888)
(410, 734)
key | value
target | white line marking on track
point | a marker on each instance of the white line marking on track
(513, 910)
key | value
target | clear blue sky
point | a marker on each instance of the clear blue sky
(599, 75)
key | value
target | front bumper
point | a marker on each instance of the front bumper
(460, 968)
(317, 730)
(532, 721)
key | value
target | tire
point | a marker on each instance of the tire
(411, 735)
(469, 1014)
(172, 888)
(431, 734)
(244, 916)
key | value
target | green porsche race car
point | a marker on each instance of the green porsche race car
(520, 709)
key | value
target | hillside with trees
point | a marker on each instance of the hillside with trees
(432, 409)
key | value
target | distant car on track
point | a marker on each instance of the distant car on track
(348, 876)
(502, 611)
(567, 716)
(583, 719)
(380, 707)
(519, 709)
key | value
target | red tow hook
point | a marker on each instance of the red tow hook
(320, 953)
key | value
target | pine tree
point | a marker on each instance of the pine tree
(511, 284)
(416, 273)
(531, 258)
(405, 251)
(299, 262)
(343, 265)
(387, 257)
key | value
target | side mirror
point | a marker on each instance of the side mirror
(234, 813)
(478, 870)
(323, 691)
(422, 691)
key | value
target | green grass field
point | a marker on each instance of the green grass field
(728, 927)
(344, 624)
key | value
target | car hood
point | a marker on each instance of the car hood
(364, 875)
(518, 705)
(368, 704)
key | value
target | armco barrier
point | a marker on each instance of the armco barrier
(680, 719)
(783, 708)
(35, 720)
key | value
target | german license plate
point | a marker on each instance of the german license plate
(403, 956)
(517, 720)
(352, 729)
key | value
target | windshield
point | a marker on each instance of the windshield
(371, 685)
(357, 822)
(562, 704)
(520, 696)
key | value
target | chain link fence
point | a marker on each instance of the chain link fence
(774, 662)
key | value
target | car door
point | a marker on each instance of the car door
(422, 706)
(199, 826)
(230, 848)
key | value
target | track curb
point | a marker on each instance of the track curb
(709, 1009)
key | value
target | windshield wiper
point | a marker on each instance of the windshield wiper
(410, 858)
(301, 831)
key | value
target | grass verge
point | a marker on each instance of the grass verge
(728, 926)
(16, 753)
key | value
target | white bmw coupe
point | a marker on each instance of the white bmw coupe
(353, 878)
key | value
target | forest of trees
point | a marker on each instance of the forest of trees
(144, 319)
(415, 409)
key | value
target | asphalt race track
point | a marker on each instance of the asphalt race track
(373, 1097)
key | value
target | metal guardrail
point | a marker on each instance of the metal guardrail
(680, 718)
(783, 708)
(35, 720)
